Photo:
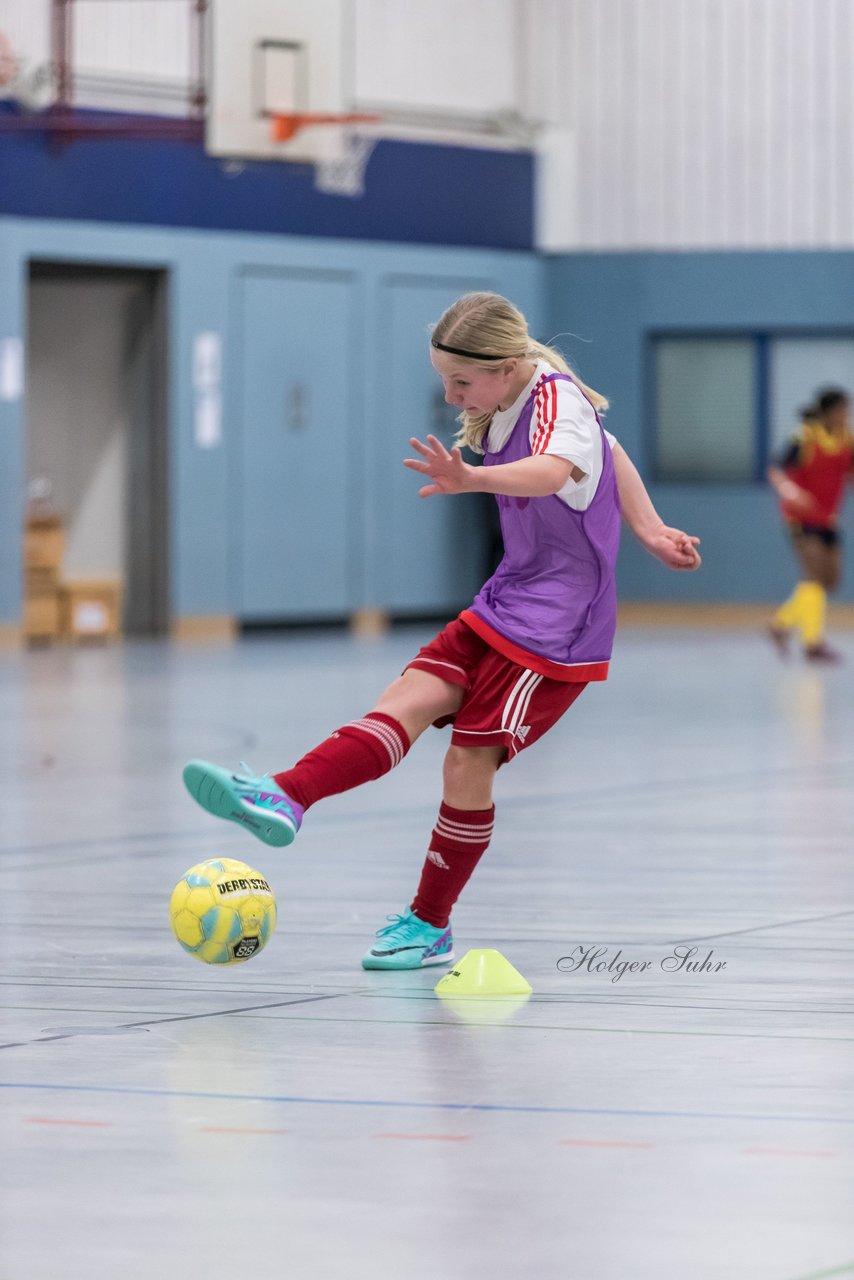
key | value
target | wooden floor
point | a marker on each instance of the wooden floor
(298, 1117)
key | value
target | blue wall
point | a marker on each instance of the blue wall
(608, 303)
(415, 192)
(612, 303)
(204, 271)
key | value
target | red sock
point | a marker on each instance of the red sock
(360, 752)
(460, 838)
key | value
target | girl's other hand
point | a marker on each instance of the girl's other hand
(674, 548)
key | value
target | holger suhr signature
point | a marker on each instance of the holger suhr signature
(680, 959)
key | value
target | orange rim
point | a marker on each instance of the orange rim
(287, 126)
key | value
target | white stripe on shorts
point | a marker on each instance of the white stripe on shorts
(517, 704)
(437, 662)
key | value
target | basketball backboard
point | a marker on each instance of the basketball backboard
(393, 62)
(276, 57)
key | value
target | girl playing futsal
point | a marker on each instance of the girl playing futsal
(809, 480)
(537, 633)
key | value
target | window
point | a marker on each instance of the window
(724, 404)
(706, 391)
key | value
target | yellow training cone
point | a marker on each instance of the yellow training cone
(483, 973)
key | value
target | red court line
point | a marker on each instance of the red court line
(784, 1151)
(83, 1124)
(583, 1142)
(223, 1130)
(426, 1137)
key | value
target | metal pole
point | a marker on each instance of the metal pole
(61, 32)
(198, 70)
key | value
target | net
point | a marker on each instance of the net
(343, 174)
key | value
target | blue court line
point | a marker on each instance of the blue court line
(421, 1106)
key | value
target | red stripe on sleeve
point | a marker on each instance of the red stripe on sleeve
(539, 395)
(547, 415)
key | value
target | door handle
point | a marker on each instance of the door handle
(297, 407)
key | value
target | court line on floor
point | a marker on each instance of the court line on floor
(406, 1104)
(545, 999)
(425, 995)
(760, 928)
(485, 1024)
(574, 1029)
(158, 1022)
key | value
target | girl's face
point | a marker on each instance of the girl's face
(477, 389)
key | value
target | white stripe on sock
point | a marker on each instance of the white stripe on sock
(458, 830)
(384, 734)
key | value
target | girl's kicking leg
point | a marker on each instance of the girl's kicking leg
(272, 806)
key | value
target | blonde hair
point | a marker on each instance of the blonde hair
(487, 325)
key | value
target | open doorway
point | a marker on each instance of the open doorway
(97, 426)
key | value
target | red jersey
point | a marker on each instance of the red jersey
(818, 461)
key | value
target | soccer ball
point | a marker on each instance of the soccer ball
(222, 911)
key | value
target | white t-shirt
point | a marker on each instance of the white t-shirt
(562, 423)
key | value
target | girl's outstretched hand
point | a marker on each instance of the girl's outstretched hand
(447, 471)
(674, 548)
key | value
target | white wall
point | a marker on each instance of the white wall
(669, 123)
(76, 414)
(702, 124)
(128, 55)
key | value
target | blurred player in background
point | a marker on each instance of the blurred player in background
(809, 479)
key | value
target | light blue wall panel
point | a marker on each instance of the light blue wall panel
(297, 490)
(409, 291)
(613, 303)
(204, 268)
(440, 563)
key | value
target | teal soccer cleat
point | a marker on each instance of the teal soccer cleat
(409, 943)
(255, 802)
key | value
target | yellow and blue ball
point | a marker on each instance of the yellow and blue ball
(222, 911)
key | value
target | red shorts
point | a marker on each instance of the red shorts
(504, 704)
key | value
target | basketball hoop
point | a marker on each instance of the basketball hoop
(345, 174)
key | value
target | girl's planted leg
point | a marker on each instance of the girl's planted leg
(422, 936)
